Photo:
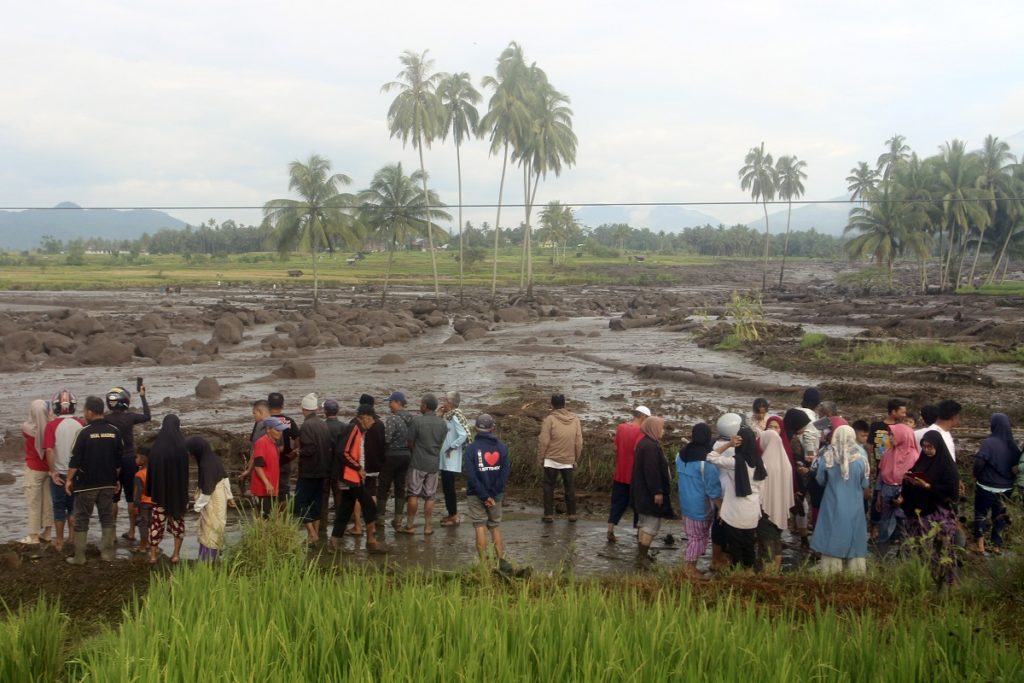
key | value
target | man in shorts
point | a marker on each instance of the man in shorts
(487, 467)
(427, 433)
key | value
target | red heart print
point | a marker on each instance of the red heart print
(491, 458)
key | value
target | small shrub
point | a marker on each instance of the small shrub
(812, 340)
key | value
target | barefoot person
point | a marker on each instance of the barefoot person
(627, 436)
(37, 474)
(167, 485)
(93, 478)
(994, 474)
(700, 494)
(427, 434)
(60, 436)
(118, 414)
(487, 467)
(841, 534)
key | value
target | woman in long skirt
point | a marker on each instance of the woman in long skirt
(213, 498)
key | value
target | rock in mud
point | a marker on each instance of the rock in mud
(208, 387)
(151, 347)
(391, 359)
(455, 339)
(79, 325)
(513, 314)
(6, 479)
(10, 559)
(56, 342)
(227, 329)
(423, 307)
(296, 369)
(23, 341)
(474, 333)
(308, 335)
(103, 349)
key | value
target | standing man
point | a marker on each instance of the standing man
(58, 440)
(265, 466)
(288, 446)
(810, 438)
(118, 400)
(896, 412)
(487, 468)
(427, 435)
(627, 435)
(314, 467)
(396, 457)
(559, 447)
(93, 478)
(335, 430)
(948, 419)
(353, 477)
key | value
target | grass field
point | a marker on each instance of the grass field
(410, 268)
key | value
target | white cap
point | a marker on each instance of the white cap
(310, 402)
(643, 410)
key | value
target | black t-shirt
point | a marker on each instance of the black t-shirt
(125, 422)
(96, 455)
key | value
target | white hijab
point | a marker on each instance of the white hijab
(844, 449)
(35, 425)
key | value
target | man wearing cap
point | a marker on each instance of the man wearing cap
(427, 435)
(487, 468)
(353, 478)
(560, 445)
(627, 435)
(314, 467)
(288, 445)
(397, 452)
(265, 466)
(374, 446)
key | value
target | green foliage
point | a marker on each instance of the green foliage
(811, 340)
(76, 253)
(473, 256)
(732, 342)
(747, 313)
(921, 354)
(32, 643)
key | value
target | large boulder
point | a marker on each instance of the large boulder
(54, 342)
(391, 359)
(79, 325)
(512, 314)
(23, 341)
(151, 347)
(208, 387)
(227, 330)
(308, 335)
(296, 369)
(103, 349)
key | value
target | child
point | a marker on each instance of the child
(487, 466)
(145, 513)
(861, 428)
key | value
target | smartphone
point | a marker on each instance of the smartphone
(138, 384)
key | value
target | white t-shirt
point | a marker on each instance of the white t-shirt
(60, 435)
(946, 436)
(737, 512)
(555, 465)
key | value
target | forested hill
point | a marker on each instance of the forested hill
(22, 230)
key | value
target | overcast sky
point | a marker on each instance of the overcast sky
(205, 103)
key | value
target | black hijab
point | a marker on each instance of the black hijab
(167, 478)
(699, 446)
(211, 469)
(793, 421)
(748, 455)
(939, 471)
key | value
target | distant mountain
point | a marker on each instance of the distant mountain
(667, 218)
(825, 218)
(67, 221)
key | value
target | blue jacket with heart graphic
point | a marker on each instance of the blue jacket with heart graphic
(486, 476)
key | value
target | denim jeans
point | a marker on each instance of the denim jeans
(891, 519)
(986, 502)
(63, 504)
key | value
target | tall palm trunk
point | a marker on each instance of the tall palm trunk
(316, 274)
(526, 231)
(961, 257)
(764, 272)
(1002, 253)
(949, 256)
(387, 273)
(497, 226)
(462, 255)
(977, 252)
(785, 244)
(529, 254)
(430, 231)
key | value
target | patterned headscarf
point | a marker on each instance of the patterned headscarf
(843, 450)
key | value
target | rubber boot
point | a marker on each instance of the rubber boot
(107, 552)
(79, 556)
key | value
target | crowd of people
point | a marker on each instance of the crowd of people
(835, 485)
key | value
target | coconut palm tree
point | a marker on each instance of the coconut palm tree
(758, 176)
(917, 180)
(790, 173)
(1014, 218)
(882, 229)
(417, 115)
(459, 99)
(897, 151)
(321, 212)
(863, 180)
(961, 209)
(504, 122)
(995, 181)
(394, 211)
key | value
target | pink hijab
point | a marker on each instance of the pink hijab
(898, 460)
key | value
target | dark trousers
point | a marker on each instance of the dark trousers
(986, 502)
(620, 503)
(392, 473)
(284, 484)
(265, 504)
(349, 498)
(741, 544)
(85, 501)
(568, 480)
(451, 501)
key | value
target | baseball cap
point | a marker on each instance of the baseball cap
(278, 423)
(331, 406)
(310, 402)
(484, 422)
(397, 396)
(643, 410)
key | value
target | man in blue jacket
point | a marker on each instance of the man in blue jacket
(487, 468)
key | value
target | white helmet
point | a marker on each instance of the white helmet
(729, 425)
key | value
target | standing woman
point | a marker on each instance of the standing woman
(742, 478)
(700, 492)
(213, 499)
(994, 471)
(930, 490)
(451, 453)
(777, 496)
(651, 485)
(841, 533)
(794, 423)
(37, 474)
(167, 485)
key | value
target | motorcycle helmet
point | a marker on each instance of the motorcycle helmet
(729, 425)
(63, 403)
(118, 399)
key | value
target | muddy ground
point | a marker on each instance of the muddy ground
(607, 348)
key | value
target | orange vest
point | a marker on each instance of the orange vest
(141, 476)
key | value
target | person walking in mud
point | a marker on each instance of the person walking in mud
(560, 445)
(427, 434)
(627, 436)
(94, 477)
(118, 414)
(396, 457)
(288, 445)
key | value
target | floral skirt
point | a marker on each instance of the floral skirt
(941, 526)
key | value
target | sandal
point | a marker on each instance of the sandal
(547, 520)
(408, 530)
(28, 540)
(427, 530)
(353, 532)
